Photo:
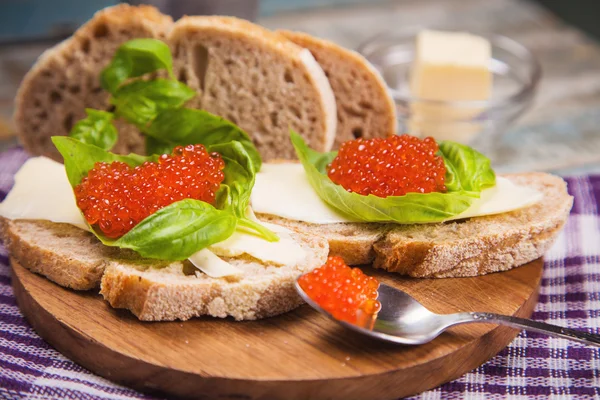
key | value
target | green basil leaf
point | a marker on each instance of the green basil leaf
(80, 157)
(239, 176)
(182, 126)
(408, 209)
(235, 190)
(179, 230)
(139, 102)
(96, 129)
(469, 170)
(135, 58)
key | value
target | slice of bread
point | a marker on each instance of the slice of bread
(65, 80)
(470, 247)
(245, 73)
(365, 108)
(157, 290)
(257, 79)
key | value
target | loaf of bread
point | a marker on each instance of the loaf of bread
(254, 77)
(65, 79)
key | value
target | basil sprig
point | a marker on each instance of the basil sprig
(155, 106)
(468, 172)
(174, 232)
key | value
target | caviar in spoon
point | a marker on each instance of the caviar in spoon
(346, 293)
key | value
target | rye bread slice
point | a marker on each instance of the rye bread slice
(157, 290)
(471, 247)
(256, 79)
(365, 108)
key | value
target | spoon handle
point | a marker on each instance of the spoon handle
(529, 325)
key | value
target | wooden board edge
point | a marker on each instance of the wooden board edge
(137, 373)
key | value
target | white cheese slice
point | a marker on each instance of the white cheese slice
(42, 191)
(504, 197)
(209, 263)
(284, 252)
(284, 190)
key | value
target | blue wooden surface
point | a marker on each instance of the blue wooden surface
(40, 18)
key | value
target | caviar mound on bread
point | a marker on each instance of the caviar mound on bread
(169, 235)
(240, 71)
(187, 258)
(467, 222)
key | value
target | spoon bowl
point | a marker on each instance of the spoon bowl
(402, 319)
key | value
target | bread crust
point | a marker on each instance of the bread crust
(365, 107)
(472, 247)
(167, 293)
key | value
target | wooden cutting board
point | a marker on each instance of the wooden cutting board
(298, 355)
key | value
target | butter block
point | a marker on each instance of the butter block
(449, 67)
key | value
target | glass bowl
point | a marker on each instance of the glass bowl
(516, 74)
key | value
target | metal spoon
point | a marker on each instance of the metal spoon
(402, 319)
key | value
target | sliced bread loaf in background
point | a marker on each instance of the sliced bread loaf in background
(256, 78)
(365, 109)
(65, 80)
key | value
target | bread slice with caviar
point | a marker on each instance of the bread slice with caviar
(65, 79)
(461, 248)
(241, 71)
(157, 290)
(365, 109)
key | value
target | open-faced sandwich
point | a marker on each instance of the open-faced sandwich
(414, 206)
(169, 230)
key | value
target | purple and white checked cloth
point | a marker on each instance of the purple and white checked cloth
(532, 367)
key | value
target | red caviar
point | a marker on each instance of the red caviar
(386, 167)
(115, 197)
(346, 293)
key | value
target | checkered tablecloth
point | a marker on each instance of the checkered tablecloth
(533, 366)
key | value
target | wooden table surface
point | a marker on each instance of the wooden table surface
(560, 133)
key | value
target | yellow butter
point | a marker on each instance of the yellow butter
(449, 67)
